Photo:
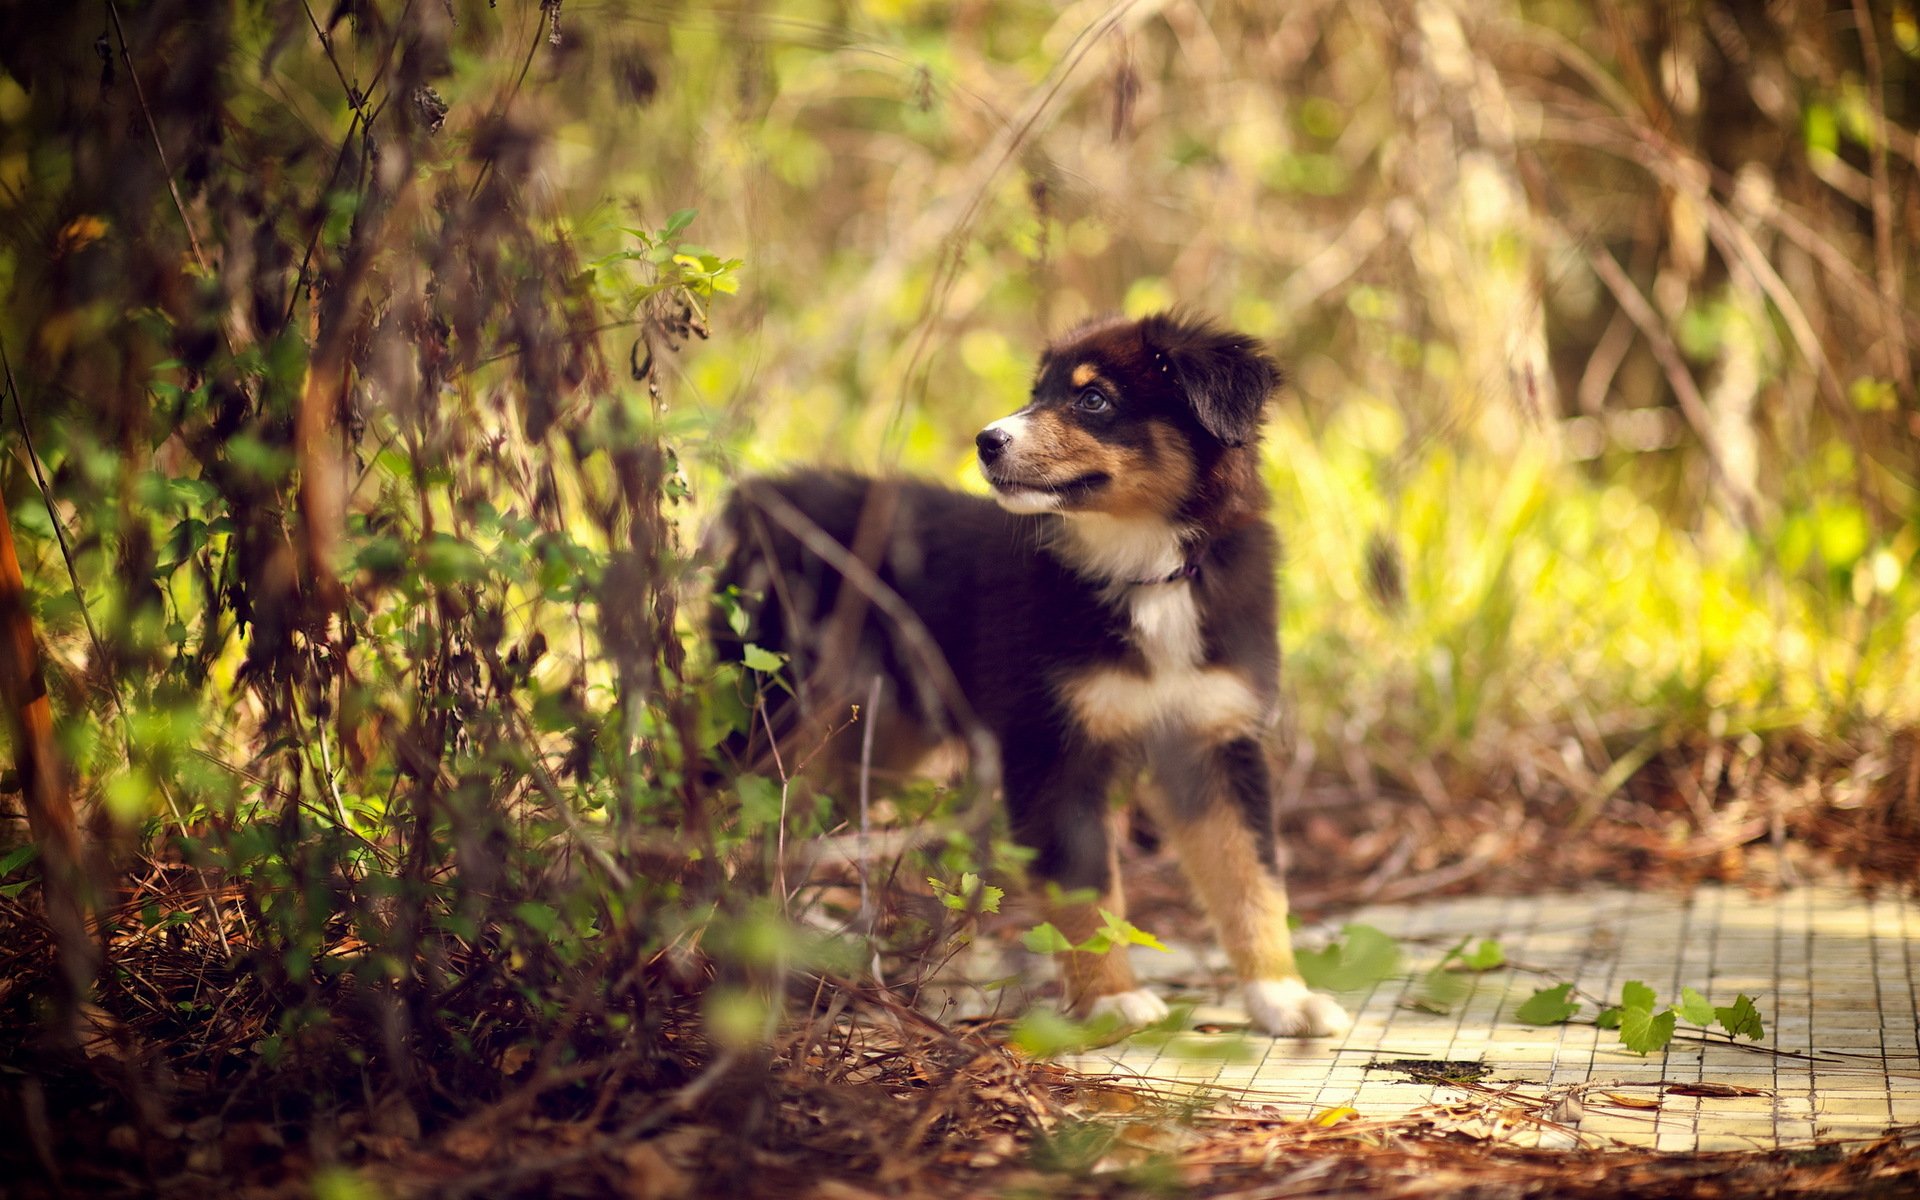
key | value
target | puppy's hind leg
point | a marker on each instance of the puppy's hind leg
(1214, 804)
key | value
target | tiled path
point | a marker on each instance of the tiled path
(1836, 976)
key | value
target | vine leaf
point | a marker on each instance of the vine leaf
(1642, 1030)
(1634, 994)
(1548, 1006)
(1487, 956)
(1045, 939)
(1361, 958)
(1694, 1008)
(759, 658)
(1121, 932)
(1742, 1019)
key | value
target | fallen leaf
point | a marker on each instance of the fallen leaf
(1714, 1089)
(79, 233)
(468, 1145)
(649, 1175)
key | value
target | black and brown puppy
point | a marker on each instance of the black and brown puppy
(1113, 605)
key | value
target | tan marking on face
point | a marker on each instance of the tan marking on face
(1145, 481)
(1247, 903)
(1115, 705)
(1050, 450)
(1151, 483)
(1085, 374)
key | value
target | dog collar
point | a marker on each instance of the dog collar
(1189, 570)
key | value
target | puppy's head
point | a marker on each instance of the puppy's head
(1128, 418)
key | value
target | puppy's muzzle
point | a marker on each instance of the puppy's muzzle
(992, 443)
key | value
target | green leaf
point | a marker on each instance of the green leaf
(1125, 933)
(194, 491)
(1694, 1008)
(1821, 129)
(735, 1017)
(1441, 989)
(1487, 956)
(1045, 939)
(1873, 395)
(759, 802)
(990, 896)
(1609, 1018)
(265, 463)
(18, 857)
(1548, 1006)
(1042, 1033)
(678, 221)
(1741, 1020)
(1644, 1031)
(759, 659)
(1361, 958)
(738, 619)
(381, 556)
(541, 918)
(184, 541)
(961, 899)
(1843, 535)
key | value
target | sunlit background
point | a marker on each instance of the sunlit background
(1601, 421)
(374, 368)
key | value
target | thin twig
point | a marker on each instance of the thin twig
(166, 168)
(780, 834)
(1005, 146)
(867, 913)
(540, 34)
(1685, 391)
(1886, 266)
(355, 98)
(550, 789)
(362, 123)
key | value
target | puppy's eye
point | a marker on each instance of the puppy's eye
(1093, 400)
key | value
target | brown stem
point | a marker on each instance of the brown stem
(1886, 266)
(43, 781)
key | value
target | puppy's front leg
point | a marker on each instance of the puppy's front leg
(1058, 802)
(1215, 805)
(1102, 986)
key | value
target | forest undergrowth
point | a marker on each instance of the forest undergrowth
(371, 369)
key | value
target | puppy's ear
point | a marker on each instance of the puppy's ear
(1226, 376)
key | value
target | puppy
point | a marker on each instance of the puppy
(1111, 606)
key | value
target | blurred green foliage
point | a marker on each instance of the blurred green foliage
(379, 421)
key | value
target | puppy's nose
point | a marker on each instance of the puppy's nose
(991, 442)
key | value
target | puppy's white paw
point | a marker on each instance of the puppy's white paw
(1136, 1009)
(1285, 1008)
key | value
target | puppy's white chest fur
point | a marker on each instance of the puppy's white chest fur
(1166, 626)
(1133, 557)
